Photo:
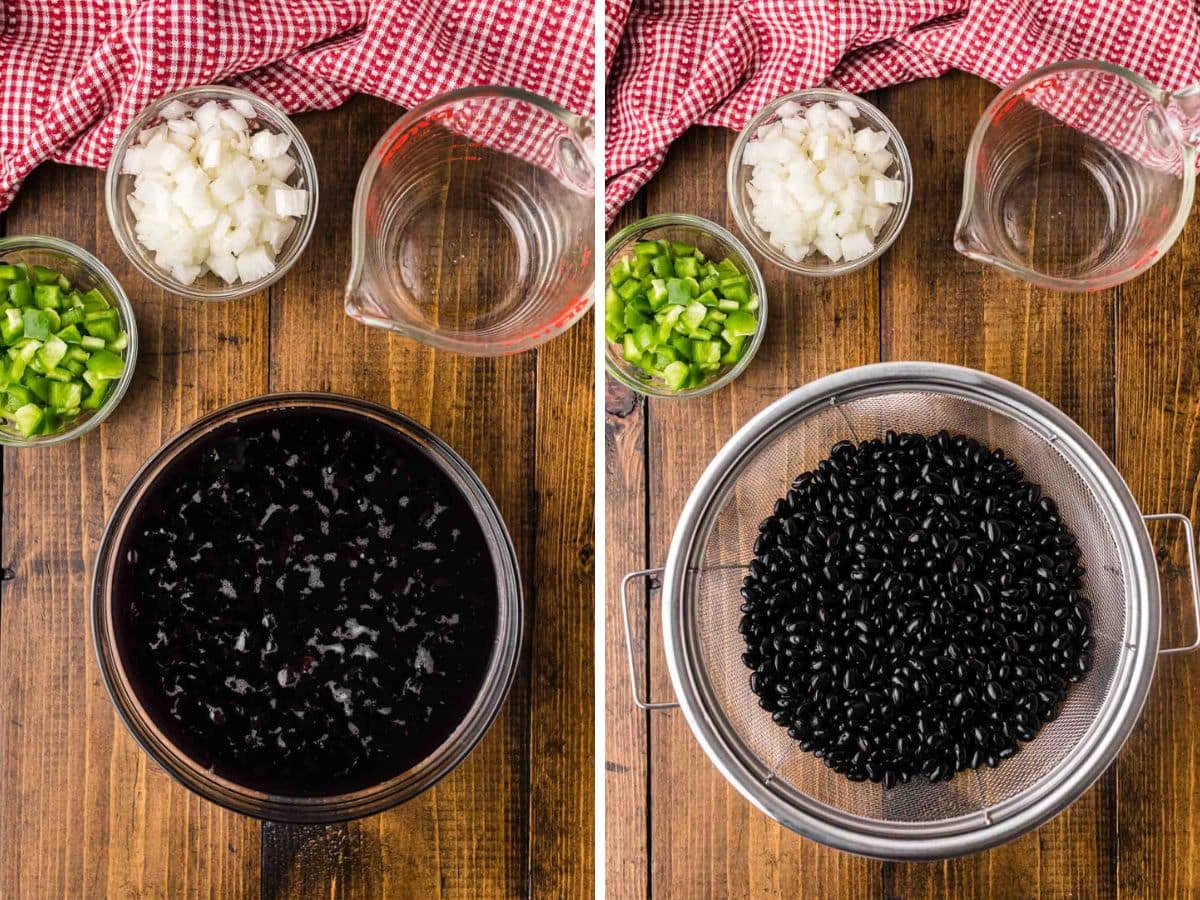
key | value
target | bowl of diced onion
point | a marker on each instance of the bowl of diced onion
(820, 182)
(211, 193)
(686, 345)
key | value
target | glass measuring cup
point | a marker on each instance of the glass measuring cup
(1080, 175)
(473, 223)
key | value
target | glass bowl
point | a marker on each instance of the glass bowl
(85, 270)
(738, 177)
(313, 808)
(118, 186)
(717, 243)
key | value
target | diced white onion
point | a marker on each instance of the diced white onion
(210, 196)
(223, 264)
(133, 161)
(176, 109)
(856, 244)
(818, 143)
(245, 107)
(210, 155)
(255, 264)
(820, 185)
(232, 119)
(206, 115)
(888, 190)
(839, 120)
(281, 167)
(290, 202)
(183, 126)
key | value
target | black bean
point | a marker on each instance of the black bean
(914, 607)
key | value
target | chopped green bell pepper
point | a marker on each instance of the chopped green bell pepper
(13, 326)
(28, 419)
(36, 323)
(20, 294)
(47, 296)
(45, 275)
(105, 364)
(702, 312)
(96, 398)
(62, 348)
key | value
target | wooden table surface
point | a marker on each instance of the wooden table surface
(1122, 363)
(83, 812)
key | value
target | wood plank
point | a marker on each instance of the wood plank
(83, 812)
(562, 682)
(626, 763)
(468, 836)
(1158, 452)
(940, 306)
(705, 839)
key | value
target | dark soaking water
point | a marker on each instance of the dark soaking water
(305, 603)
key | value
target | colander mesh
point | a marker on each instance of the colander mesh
(768, 475)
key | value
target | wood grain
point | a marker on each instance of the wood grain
(83, 812)
(626, 762)
(1158, 451)
(705, 841)
(562, 677)
(943, 307)
(476, 817)
(1121, 364)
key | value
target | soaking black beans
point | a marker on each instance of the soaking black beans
(305, 603)
(914, 608)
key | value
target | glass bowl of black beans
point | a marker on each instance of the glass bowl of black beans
(911, 611)
(306, 608)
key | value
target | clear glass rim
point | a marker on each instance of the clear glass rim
(962, 242)
(571, 313)
(85, 260)
(502, 668)
(133, 251)
(613, 246)
(741, 215)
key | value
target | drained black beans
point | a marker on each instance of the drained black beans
(914, 608)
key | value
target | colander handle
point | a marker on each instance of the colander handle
(1193, 574)
(654, 575)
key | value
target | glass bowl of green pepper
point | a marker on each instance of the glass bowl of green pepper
(68, 341)
(685, 307)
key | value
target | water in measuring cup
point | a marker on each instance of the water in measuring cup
(1062, 214)
(474, 241)
(1067, 205)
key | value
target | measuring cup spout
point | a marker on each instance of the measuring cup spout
(367, 300)
(357, 300)
(968, 237)
(354, 298)
(360, 301)
(576, 152)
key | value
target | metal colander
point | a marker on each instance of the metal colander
(713, 543)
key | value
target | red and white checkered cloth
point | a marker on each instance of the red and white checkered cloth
(73, 73)
(717, 62)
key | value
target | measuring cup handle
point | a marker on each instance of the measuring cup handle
(1193, 574)
(642, 703)
(1187, 104)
